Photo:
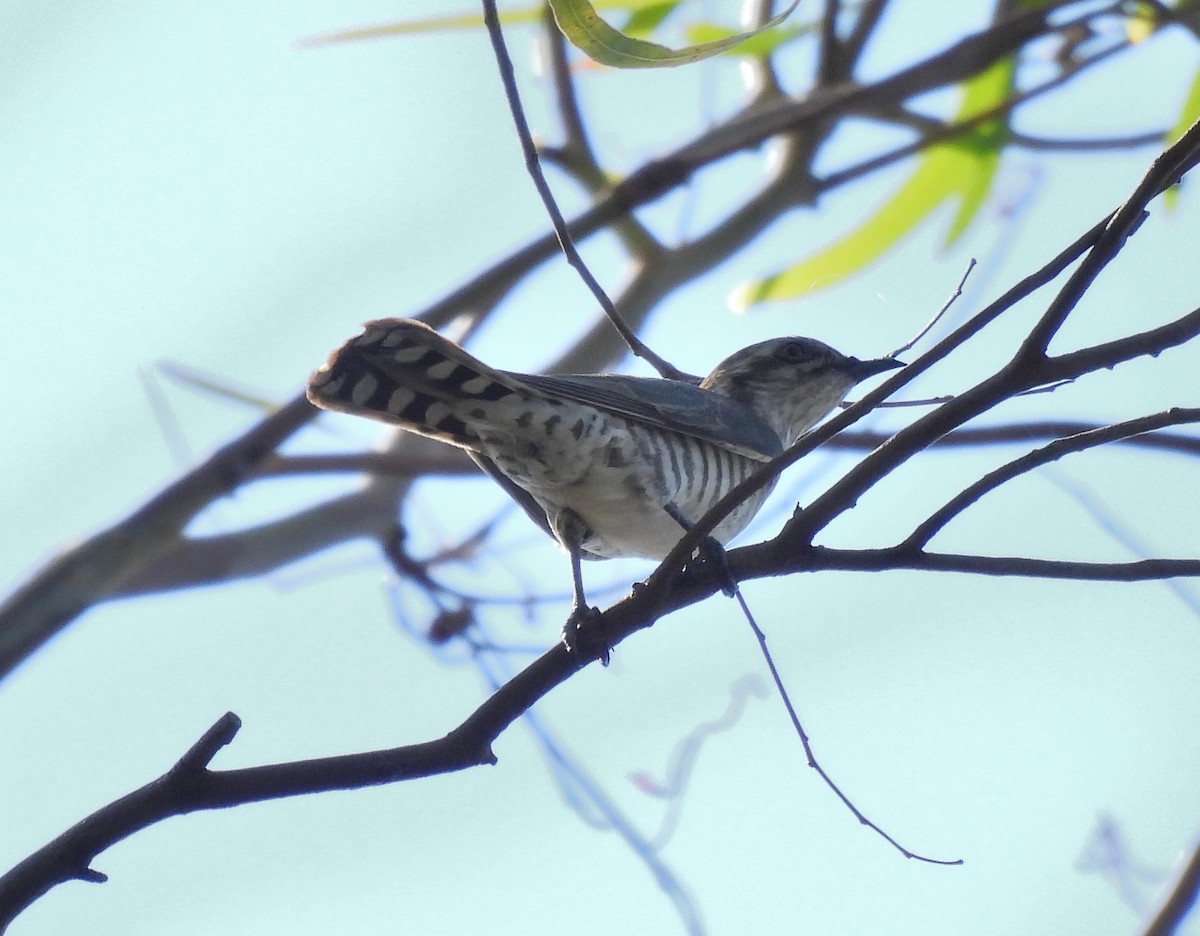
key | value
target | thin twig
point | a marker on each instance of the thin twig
(1132, 141)
(808, 751)
(958, 291)
(566, 242)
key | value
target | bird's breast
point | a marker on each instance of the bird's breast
(618, 476)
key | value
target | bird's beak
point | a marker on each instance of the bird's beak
(861, 370)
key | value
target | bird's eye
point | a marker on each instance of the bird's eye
(795, 351)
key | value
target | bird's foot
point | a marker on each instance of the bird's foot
(712, 556)
(583, 635)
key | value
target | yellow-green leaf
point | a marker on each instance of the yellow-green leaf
(761, 45)
(474, 20)
(1141, 23)
(643, 21)
(961, 169)
(584, 28)
(1187, 116)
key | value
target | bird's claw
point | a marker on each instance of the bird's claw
(712, 556)
(583, 637)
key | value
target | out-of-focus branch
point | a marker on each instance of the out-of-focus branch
(864, 27)
(441, 460)
(132, 551)
(1098, 144)
(829, 54)
(97, 568)
(455, 463)
(746, 131)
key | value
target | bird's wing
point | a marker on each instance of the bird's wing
(667, 404)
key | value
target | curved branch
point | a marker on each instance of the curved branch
(1180, 900)
(191, 786)
(1042, 456)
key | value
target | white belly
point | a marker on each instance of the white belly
(619, 478)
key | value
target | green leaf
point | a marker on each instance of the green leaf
(528, 14)
(760, 45)
(642, 22)
(961, 169)
(584, 28)
(1141, 23)
(1187, 116)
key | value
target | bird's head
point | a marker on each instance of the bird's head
(791, 383)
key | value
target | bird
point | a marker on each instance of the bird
(609, 465)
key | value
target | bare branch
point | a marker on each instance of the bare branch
(565, 239)
(776, 557)
(1180, 900)
(1166, 171)
(937, 317)
(1042, 456)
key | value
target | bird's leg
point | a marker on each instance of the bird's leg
(581, 635)
(710, 551)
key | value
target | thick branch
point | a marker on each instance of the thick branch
(190, 786)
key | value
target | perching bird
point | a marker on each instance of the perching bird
(609, 465)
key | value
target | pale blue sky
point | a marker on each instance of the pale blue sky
(186, 184)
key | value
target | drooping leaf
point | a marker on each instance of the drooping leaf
(960, 169)
(584, 28)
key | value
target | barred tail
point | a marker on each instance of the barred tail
(403, 372)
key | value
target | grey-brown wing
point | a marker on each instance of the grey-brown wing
(668, 404)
